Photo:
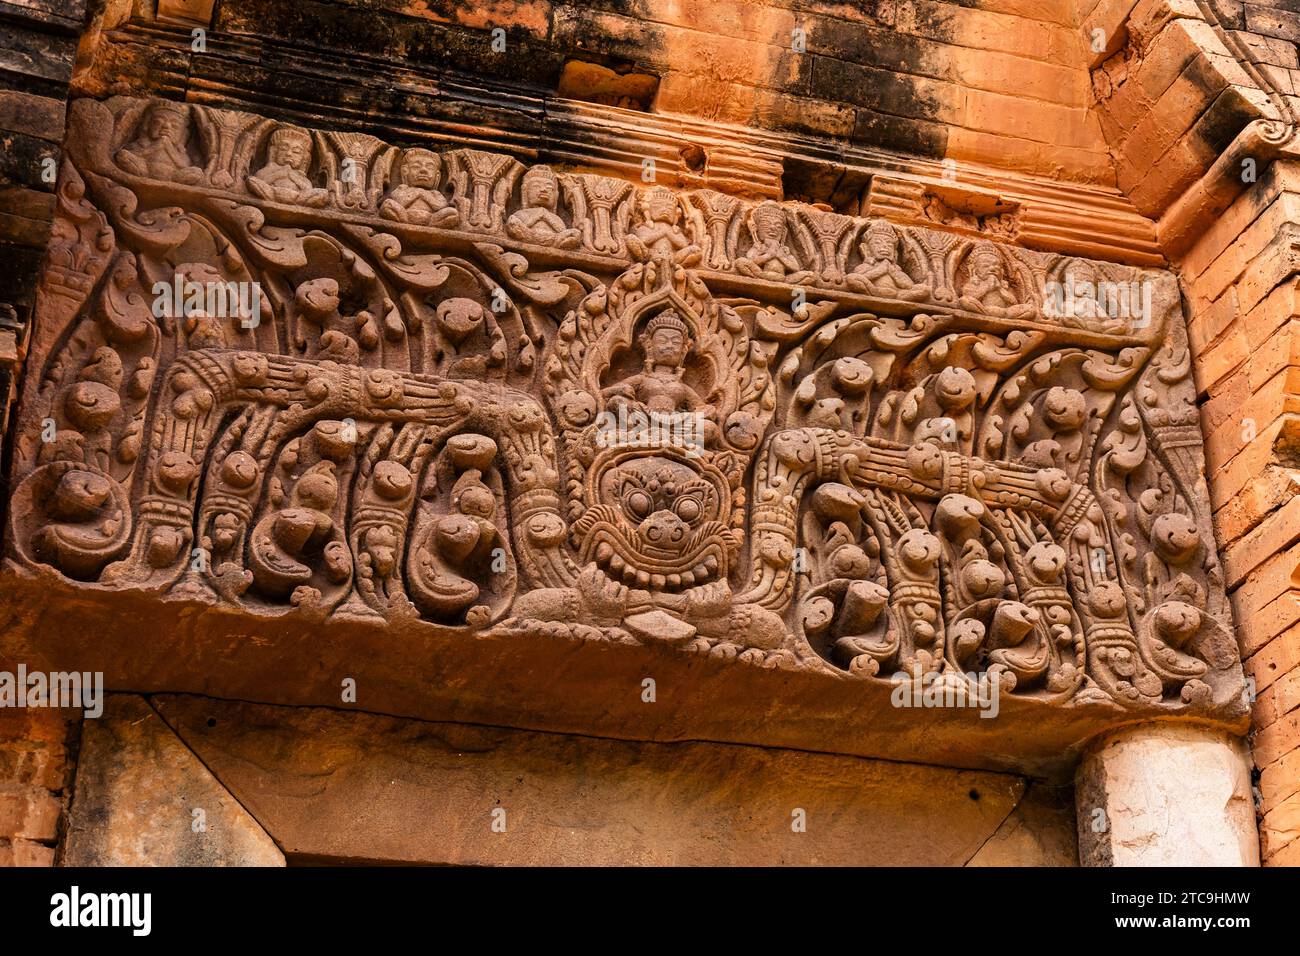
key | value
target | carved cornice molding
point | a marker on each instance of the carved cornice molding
(538, 125)
(472, 397)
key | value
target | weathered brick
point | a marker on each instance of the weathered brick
(838, 81)
(189, 11)
(1275, 659)
(1288, 855)
(1274, 183)
(1280, 351)
(1280, 826)
(1029, 119)
(1279, 699)
(1280, 780)
(39, 116)
(1007, 152)
(1271, 743)
(31, 813)
(1215, 363)
(1244, 419)
(1278, 530)
(1166, 59)
(1268, 49)
(1271, 22)
(1266, 623)
(25, 853)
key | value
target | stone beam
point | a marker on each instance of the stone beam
(304, 409)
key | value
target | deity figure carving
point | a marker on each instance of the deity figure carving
(659, 387)
(987, 288)
(416, 199)
(536, 221)
(160, 149)
(658, 235)
(879, 272)
(284, 176)
(1083, 305)
(769, 257)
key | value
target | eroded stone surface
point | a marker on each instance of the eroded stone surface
(343, 786)
(138, 787)
(1166, 795)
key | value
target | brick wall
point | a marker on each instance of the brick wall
(38, 48)
(36, 770)
(1246, 332)
(1185, 100)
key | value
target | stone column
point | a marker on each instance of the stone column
(1166, 794)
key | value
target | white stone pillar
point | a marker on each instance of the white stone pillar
(1166, 794)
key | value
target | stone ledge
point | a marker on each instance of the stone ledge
(540, 678)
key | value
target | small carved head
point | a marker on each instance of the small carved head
(421, 168)
(880, 241)
(666, 339)
(291, 147)
(985, 261)
(660, 205)
(166, 122)
(1081, 278)
(767, 222)
(540, 188)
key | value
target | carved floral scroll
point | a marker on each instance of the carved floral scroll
(902, 457)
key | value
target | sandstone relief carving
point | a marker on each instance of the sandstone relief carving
(567, 404)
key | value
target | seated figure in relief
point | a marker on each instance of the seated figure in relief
(159, 149)
(417, 199)
(1083, 308)
(659, 388)
(880, 272)
(987, 288)
(537, 221)
(284, 177)
(769, 257)
(659, 236)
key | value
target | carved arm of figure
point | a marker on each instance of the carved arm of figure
(284, 176)
(542, 227)
(132, 163)
(768, 262)
(159, 149)
(662, 239)
(418, 206)
(284, 184)
(886, 277)
(159, 162)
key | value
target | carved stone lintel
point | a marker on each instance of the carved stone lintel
(758, 431)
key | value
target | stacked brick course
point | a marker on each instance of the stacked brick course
(36, 769)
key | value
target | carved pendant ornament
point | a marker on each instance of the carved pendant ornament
(310, 373)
